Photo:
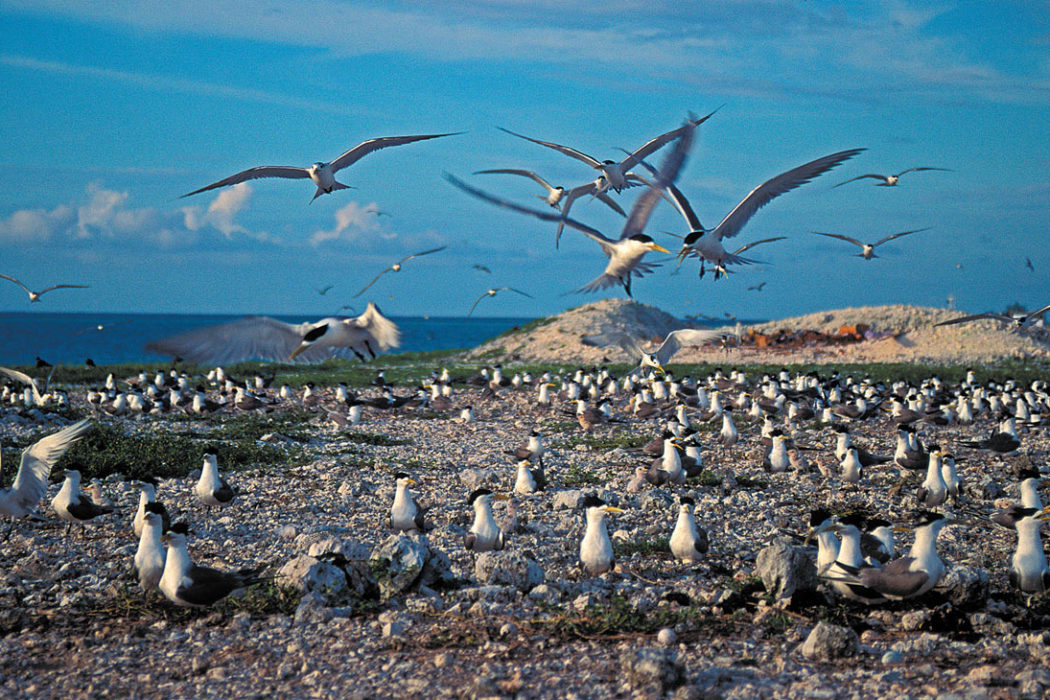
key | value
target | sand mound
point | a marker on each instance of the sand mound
(896, 333)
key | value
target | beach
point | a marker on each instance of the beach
(310, 512)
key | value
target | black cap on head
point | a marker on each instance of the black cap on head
(873, 523)
(401, 475)
(925, 517)
(687, 501)
(855, 519)
(180, 528)
(476, 493)
(156, 507)
(1028, 473)
(592, 501)
(818, 516)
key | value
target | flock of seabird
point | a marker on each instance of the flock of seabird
(855, 551)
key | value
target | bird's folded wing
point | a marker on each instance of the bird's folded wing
(38, 459)
(203, 585)
(255, 337)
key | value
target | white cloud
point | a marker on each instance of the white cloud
(353, 223)
(105, 215)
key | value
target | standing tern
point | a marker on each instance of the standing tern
(396, 267)
(561, 199)
(323, 174)
(867, 250)
(615, 173)
(35, 296)
(888, 180)
(269, 339)
(625, 254)
(707, 243)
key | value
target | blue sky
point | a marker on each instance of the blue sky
(112, 110)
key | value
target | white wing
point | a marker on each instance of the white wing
(776, 186)
(839, 236)
(612, 336)
(380, 329)
(254, 337)
(516, 171)
(897, 235)
(363, 149)
(685, 337)
(25, 379)
(571, 152)
(672, 164)
(37, 460)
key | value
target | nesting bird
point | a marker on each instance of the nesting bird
(405, 514)
(189, 585)
(484, 534)
(30, 484)
(74, 506)
(211, 489)
(150, 555)
(596, 551)
(688, 542)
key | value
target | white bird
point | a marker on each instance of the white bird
(212, 489)
(74, 506)
(492, 292)
(1021, 320)
(673, 342)
(323, 174)
(625, 254)
(269, 339)
(405, 515)
(561, 199)
(889, 180)
(1029, 571)
(615, 173)
(191, 586)
(867, 250)
(484, 534)
(36, 397)
(688, 543)
(150, 555)
(35, 296)
(596, 552)
(396, 267)
(147, 495)
(707, 243)
(30, 484)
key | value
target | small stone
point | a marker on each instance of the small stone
(395, 629)
(567, 500)
(892, 657)
(508, 568)
(827, 642)
(965, 586)
(666, 636)
(915, 620)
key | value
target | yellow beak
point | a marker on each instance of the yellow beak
(297, 351)
(612, 509)
(660, 248)
(500, 497)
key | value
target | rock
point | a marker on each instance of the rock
(309, 575)
(986, 488)
(965, 586)
(567, 500)
(785, 569)
(545, 594)
(508, 568)
(398, 562)
(475, 478)
(916, 620)
(395, 628)
(655, 500)
(827, 642)
(333, 545)
(666, 636)
(651, 668)
(312, 610)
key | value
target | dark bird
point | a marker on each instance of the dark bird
(492, 292)
(867, 250)
(1021, 320)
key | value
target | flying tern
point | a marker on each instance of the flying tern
(615, 173)
(625, 254)
(492, 292)
(270, 339)
(35, 296)
(561, 199)
(889, 180)
(396, 267)
(1022, 320)
(323, 174)
(707, 243)
(867, 250)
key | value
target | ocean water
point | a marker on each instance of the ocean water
(71, 338)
